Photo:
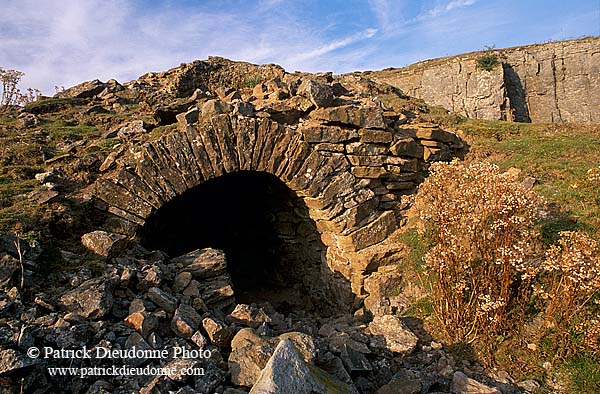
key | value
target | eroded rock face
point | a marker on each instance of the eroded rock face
(554, 82)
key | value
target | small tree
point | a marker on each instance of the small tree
(11, 94)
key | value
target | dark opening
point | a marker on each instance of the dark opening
(272, 246)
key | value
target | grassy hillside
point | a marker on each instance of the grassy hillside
(562, 158)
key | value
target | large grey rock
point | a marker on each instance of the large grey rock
(203, 263)
(92, 299)
(320, 95)
(286, 372)
(162, 299)
(11, 360)
(250, 353)
(391, 333)
(103, 243)
(462, 384)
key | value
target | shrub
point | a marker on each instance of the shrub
(11, 94)
(481, 225)
(487, 271)
(488, 61)
(570, 281)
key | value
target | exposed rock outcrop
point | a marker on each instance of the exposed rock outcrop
(553, 82)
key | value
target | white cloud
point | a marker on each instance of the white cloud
(383, 11)
(393, 19)
(67, 42)
(334, 45)
(444, 8)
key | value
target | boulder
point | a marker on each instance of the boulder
(163, 300)
(185, 321)
(143, 322)
(202, 263)
(253, 316)
(12, 360)
(250, 353)
(104, 244)
(218, 332)
(391, 333)
(188, 118)
(28, 120)
(215, 107)
(286, 372)
(182, 280)
(84, 90)
(42, 196)
(132, 128)
(462, 384)
(92, 299)
(320, 95)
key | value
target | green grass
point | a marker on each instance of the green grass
(418, 246)
(54, 105)
(61, 129)
(583, 371)
(420, 309)
(557, 156)
(159, 131)
(109, 144)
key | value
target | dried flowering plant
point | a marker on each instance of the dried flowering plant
(569, 282)
(480, 269)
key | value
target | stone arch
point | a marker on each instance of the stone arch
(273, 249)
(343, 206)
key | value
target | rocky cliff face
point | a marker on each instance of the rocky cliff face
(554, 82)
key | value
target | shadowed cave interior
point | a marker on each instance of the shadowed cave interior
(272, 246)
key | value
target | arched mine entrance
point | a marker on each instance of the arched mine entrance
(273, 249)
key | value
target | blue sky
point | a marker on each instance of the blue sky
(69, 41)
